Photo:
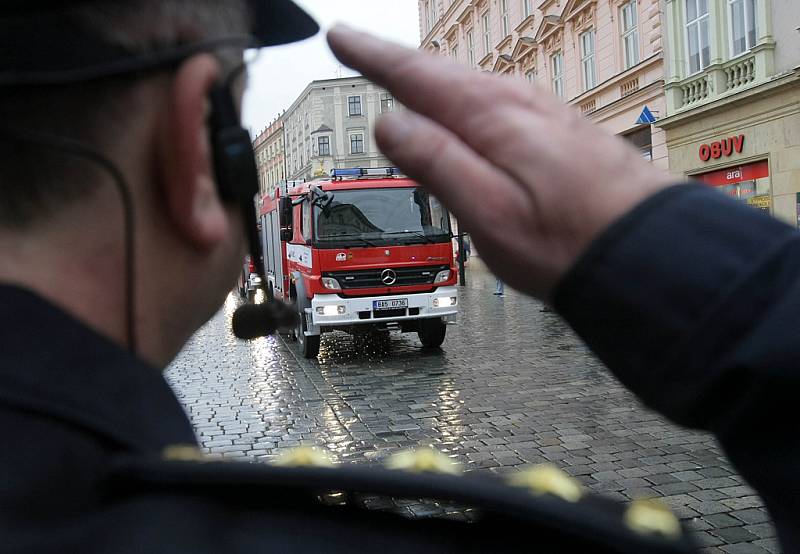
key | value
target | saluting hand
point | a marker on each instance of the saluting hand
(532, 180)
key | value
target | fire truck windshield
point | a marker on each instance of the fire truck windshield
(381, 216)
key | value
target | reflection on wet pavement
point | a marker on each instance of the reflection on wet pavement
(511, 387)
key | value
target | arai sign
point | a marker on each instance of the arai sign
(725, 147)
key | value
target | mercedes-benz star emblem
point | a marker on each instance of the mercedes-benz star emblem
(388, 277)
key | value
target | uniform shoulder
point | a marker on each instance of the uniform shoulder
(541, 506)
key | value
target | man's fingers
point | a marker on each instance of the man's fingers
(478, 193)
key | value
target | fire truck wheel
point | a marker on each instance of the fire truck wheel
(431, 332)
(242, 285)
(309, 346)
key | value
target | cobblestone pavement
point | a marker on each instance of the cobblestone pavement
(511, 387)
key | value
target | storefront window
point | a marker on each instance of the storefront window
(749, 183)
(797, 207)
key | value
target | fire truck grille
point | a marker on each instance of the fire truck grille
(372, 278)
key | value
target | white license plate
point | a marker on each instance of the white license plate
(394, 304)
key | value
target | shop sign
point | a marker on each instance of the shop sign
(760, 202)
(731, 175)
(725, 147)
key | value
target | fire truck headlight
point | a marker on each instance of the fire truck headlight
(442, 276)
(445, 301)
(330, 283)
(331, 310)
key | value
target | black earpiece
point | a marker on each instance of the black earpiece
(235, 164)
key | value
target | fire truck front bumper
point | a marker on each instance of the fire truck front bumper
(329, 310)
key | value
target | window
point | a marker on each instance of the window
(356, 143)
(642, 139)
(354, 105)
(504, 12)
(743, 25)
(454, 52)
(527, 8)
(587, 60)
(530, 75)
(387, 102)
(307, 221)
(324, 146)
(487, 34)
(630, 33)
(387, 216)
(557, 62)
(427, 16)
(471, 47)
(698, 50)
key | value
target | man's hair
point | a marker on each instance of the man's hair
(34, 179)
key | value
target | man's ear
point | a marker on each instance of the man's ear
(190, 190)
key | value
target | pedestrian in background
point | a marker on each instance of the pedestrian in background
(499, 287)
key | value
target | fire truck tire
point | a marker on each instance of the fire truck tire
(431, 332)
(242, 285)
(309, 345)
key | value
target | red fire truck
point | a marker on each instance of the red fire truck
(365, 251)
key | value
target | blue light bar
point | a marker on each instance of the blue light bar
(365, 172)
(355, 172)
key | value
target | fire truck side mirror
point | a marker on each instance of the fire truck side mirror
(285, 216)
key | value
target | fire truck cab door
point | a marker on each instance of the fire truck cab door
(275, 252)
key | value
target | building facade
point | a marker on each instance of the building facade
(331, 125)
(733, 98)
(602, 56)
(270, 159)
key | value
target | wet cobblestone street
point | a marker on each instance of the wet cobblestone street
(511, 387)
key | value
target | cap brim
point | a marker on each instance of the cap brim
(281, 22)
(82, 56)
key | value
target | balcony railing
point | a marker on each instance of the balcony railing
(629, 87)
(740, 72)
(695, 91)
(720, 80)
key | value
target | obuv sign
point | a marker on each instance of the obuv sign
(725, 147)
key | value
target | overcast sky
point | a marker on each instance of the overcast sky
(281, 73)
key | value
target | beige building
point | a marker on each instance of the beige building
(602, 56)
(270, 159)
(331, 125)
(733, 98)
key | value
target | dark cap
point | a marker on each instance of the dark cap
(39, 44)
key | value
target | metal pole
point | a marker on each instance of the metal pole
(462, 274)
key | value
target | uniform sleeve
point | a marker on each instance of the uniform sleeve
(693, 301)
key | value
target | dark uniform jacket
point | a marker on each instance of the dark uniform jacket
(691, 300)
